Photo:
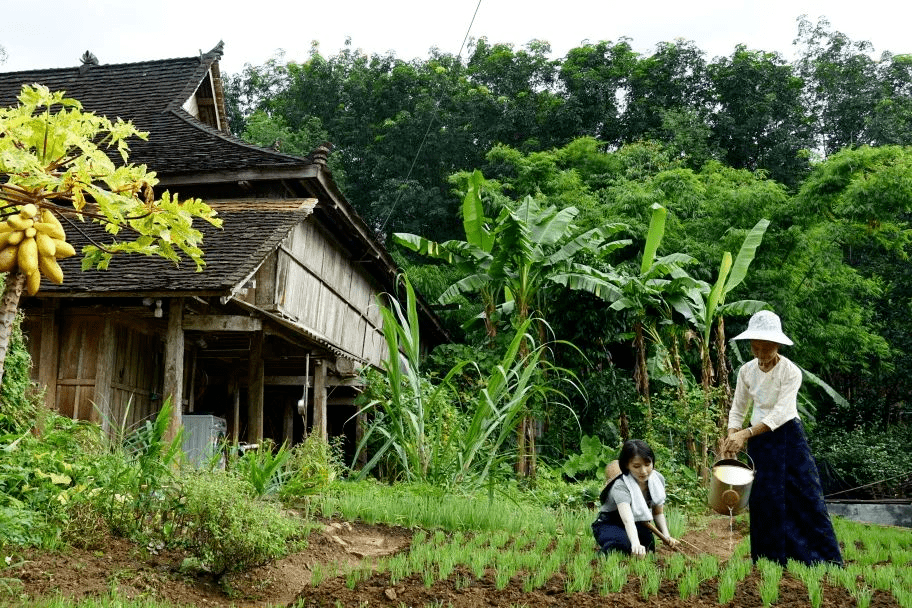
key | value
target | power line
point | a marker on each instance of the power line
(867, 485)
(430, 123)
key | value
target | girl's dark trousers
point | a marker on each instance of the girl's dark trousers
(611, 535)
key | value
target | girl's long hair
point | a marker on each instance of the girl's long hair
(630, 450)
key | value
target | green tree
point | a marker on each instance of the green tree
(671, 80)
(594, 75)
(856, 208)
(891, 119)
(54, 162)
(841, 84)
(760, 122)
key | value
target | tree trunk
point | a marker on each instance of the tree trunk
(641, 373)
(521, 469)
(9, 306)
(682, 398)
(722, 374)
(707, 374)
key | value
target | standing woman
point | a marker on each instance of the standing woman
(633, 498)
(788, 516)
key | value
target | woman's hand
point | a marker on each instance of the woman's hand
(672, 542)
(638, 550)
(734, 443)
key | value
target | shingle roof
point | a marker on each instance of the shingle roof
(232, 254)
(150, 94)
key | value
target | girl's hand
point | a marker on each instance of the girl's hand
(638, 550)
(673, 542)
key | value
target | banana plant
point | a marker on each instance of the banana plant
(650, 296)
(472, 257)
(705, 308)
(512, 263)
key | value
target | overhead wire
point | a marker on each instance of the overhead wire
(873, 483)
(430, 124)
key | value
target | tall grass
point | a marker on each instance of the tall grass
(264, 468)
(428, 507)
(421, 445)
(137, 475)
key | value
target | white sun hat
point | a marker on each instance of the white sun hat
(764, 325)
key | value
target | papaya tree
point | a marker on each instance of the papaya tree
(54, 165)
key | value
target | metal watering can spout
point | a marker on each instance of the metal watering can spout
(730, 485)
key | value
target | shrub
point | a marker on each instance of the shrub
(20, 402)
(312, 466)
(40, 477)
(226, 528)
(859, 457)
(264, 468)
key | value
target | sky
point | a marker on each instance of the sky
(36, 36)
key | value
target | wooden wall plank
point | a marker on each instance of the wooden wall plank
(48, 357)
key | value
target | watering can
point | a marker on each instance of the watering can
(730, 485)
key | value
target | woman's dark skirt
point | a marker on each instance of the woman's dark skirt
(610, 534)
(788, 516)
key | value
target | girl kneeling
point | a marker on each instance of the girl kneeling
(630, 501)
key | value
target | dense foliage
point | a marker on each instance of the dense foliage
(814, 147)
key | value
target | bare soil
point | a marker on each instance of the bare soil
(115, 564)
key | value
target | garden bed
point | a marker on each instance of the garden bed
(342, 547)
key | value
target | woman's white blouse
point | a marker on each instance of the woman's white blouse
(774, 394)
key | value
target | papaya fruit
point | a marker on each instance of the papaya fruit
(28, 256)
(28, 211)
(63, 249)
(50, 269)
(8, 257)
(46, 245)
(33, 282)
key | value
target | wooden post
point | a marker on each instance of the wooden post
(236, 427)
(174, 365)
(319, 400)
(288, 421)
(191, 388)
(255, 389)
(104, 376)
(49, 357)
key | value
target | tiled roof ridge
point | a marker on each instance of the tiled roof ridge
(205, 63)
(233, 139)
(104, 65)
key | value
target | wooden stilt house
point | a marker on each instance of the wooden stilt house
(271, 334)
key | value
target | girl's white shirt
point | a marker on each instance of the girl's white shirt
(774, 394)
(656, 485)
